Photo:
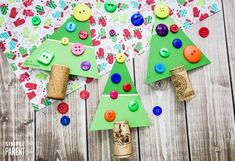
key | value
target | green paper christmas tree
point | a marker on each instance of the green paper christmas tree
(63, 54)
(176, 57)
(127, 106)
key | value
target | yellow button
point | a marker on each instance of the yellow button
(65, 41)
(161, 10)
(82, 12)
(120, 58)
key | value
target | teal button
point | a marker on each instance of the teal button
(110, 6)
(160, 68)
(133, 106)
(36, 20)
(164, 52)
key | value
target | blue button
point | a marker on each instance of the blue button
(157, 110)
(177, 43)
(160, 68)
(70, 27)
(116, 78)
(65, 120)
(137, 19)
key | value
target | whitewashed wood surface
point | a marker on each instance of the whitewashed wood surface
(200, 130)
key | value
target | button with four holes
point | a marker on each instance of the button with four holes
(133, 106)
(63, 108)
(84, 94)
(116, 78)
(120, 58)
(36, 20)
(160, 68)
(113, 94)
(70, 27)
(127, 87)
(109, 115)
(83, 34)
(164, 52)
(177, 43)
(78, 49)
(65, 41)
(157, 110)
(65, 120)
(161, 10)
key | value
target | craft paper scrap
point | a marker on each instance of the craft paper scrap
(19, 38)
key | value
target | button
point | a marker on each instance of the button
(65, 41)
(127, 87)
(63, 108)
(70, 27)
(78, 49)
(162, 30)
(192, 54)
(137, 19)
(83, 34)
(177, 43)
(204, 32)
(116, 78)
(161, 11)
(82, 12)
(36, 20)
(160, 68)
(174, 28)
(84, 94)
(120, 58)
(133, 106)
(110, 6)
(112, 32)
(89, 80)
(85, 65)
(164, 52)
(113, 94)
(45, 57)
(109, 115)
(65, 120)
(157, 110)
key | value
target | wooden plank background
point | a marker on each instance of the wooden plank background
(200, 130)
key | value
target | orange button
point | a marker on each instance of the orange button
(192, 54)
(109, 115)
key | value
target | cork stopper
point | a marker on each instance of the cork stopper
(181, 82)
(58, 82)
(122, 140)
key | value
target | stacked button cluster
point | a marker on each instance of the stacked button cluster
(191, 53)
(63, 108)
(116, 78)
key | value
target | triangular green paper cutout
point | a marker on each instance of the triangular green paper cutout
(62, 53)
(138, 118)
(176, 57)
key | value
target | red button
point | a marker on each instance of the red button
(114, 94)
(83, 34)
(84, 94)
(204, 32)
(63, 108)
(109, 115)
(89, 80)
(127, 87)
(174, 28)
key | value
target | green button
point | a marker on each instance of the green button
(110, 6)
(133, 106)
(36, 20)
(164, 52)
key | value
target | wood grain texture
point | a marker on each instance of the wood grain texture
(166, 138)
(16, 116)
(62, 143)
(200, 130)
(210, 115)
(100, 143)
